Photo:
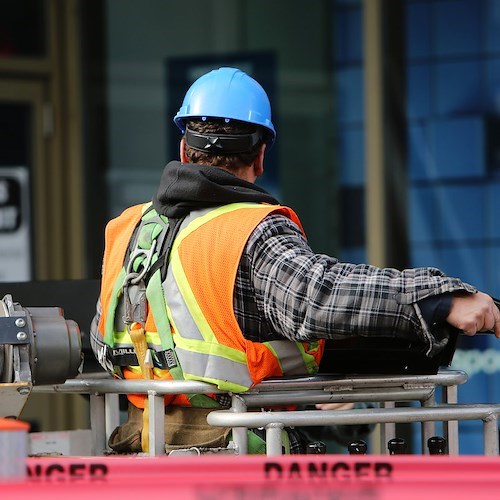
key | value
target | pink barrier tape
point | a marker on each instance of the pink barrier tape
(255, 477)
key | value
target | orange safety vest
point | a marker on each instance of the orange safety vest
(198, 291)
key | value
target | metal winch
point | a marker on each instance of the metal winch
(37, 345)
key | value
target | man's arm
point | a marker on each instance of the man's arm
(305, 295)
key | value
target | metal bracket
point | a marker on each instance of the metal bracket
(14, 330)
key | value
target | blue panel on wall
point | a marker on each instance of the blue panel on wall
(492, 25)
(422, 215)
(467, 263)
(458, 147)
(422, 163)
(493, 285)
(461, 212)
(354, 255)
(348, 36)
(493, 211)
(470, 437)
(418, 90)
(492, 86)
(351, 150)
(348, 2)
(425, 255)
(349, 91)
(418, 33)
(458, 87)
(457, 27)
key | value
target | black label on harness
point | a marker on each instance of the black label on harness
(170, 359)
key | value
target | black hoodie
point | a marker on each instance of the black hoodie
(185, 187)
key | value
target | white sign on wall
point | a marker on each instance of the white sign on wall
(15, 224)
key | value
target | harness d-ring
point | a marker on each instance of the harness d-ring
(132, 276)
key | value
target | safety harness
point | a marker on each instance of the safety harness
(145, 262)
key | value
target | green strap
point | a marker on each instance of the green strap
(110, 320)
(156, 300)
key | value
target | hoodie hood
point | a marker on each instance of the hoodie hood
(186, 187)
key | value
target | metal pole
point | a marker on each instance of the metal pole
(97, 424)
(240, 434)
(428, 429)
(156, 424)
(273, 439)
(450, 396)
(385, 129)
(490, 434)
(112, 413)
(374, 133)
(388, 430)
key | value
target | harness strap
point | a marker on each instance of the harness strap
(138, 337)
(147, 264)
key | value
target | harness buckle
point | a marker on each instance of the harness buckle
(134, 301)
(134, 288)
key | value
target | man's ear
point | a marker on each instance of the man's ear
(182, 151)
(258, 164)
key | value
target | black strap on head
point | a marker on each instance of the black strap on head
(222, 144)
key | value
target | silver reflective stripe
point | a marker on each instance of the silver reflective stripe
(212, 366)
(290, 357)
(181, 316)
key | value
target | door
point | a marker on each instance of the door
(22, 170)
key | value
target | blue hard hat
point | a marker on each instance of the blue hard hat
(227, 93)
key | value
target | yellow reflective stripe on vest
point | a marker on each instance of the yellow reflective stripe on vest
(123, 339)
(202, 219)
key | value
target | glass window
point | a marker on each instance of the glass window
(22, 29)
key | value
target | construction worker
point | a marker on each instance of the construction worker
(214, 280)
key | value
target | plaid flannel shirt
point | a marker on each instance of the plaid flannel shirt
(284, 289)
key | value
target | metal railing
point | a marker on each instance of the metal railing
(387, 390)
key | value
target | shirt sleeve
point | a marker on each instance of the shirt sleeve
(306, 296)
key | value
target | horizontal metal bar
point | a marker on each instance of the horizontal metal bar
(229, 418)
(322, 396)
(105, 386)
(324, 383)
(444, 377)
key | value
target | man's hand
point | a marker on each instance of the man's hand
(474, 313)
(335, 406)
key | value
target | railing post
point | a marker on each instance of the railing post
(490, 435)
(450, 396)
(428, 429)
(387, 430)
(112, 413)
(156, 424)
(97, 424)
(240, 434)
(273, 439)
